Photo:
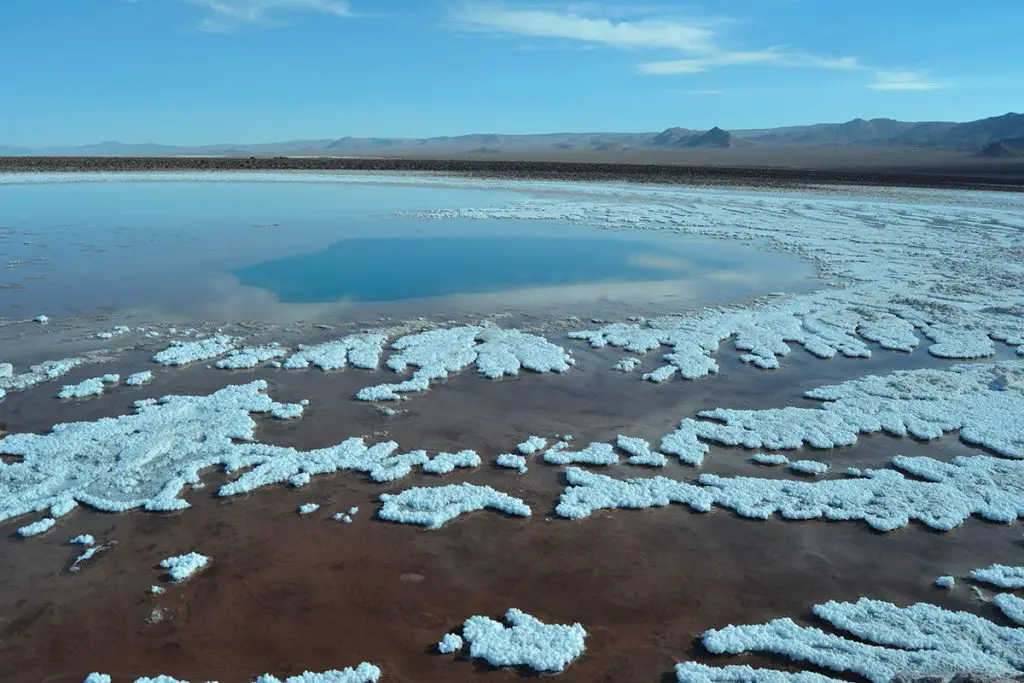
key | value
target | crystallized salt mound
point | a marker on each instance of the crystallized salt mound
(83, 539)
(770, 459)
(185, 352)
(594, 454)
(359, 350)
(183, 566)
(588, 492)
(250, 356)
(512, 462)
(628, 364)
(532, 445)
(445, 463)
(41, 318)
(684, 443)
(1000, 575)
(36, 528)
(308, 508)
(139, 378)
(919, 640)
(47, 370)
(527, 642)
(438, 353)
(433, 506)
(89, 387)
(640, 452)
(449, 644)
(132, 461)
(300, 479)
(692, 672)
(1011, 606)
(97, 678)
(808, 467)
(945, 582)
(364, 673)
(88, 555)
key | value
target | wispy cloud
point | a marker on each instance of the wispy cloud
(631, 27)
(226, 15)
(903, 80)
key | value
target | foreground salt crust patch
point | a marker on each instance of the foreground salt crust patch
(250, 356)
(512, 461)
(185, 352)
(594, 454)
(692, 672)
(640, 452)
(364, 673)
(526, 642)
(919, 640)
(137, 379)
(90, 387)
(433, 506)
(1000, 575)
(37, 374)
(1011, 606)
(359, 350)
(182, 567)
(438, 353)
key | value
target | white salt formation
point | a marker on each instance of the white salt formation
(364, 673)
(594, 454)
(185, 352)
(433, 506)
(116, 332)
(588, 492)
(1000, 575)
(97, 678)
(137, 379)
(353, 510)
(628, 364)
(132, 461)
(83, 539)
(769, 459)
(183, 566)
(438, 353)
(449, 644)
(808, 467)
(526, 642)
(359, 350)
(640, 452)
(445, 463)
(250, 356)
(36, 528)
(919, 640)
(88, 554)
(692, 672)
(945, 582)
(37, 374)
(89, 387)
(157, 590)
(41, 318)
(512, 462)
(1011, 606)
(532, 445)
(300, 479)
(308, 508)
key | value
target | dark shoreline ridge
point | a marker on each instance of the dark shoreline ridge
(990, 176)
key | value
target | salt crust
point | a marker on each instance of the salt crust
(308, 508)
(47, 370)
(134, 461)
(449, 644)
(808, 467)
(526, 642)
(941, 495)
(83, 539)
(438, 353)
(594, 454)
(769, 459)
(89, 387)
(512, 462)
(300, 479)
(139, 378)
(1000, 575)
(359, 350)
(88, 555)
(945, 582)
(692, 672)
(432, 506)
(250, 356)
(185, 352)
(364, 673)
(919, 640)
(628, 364)
(532, 445)
(36, 528)
(640, 452)
(183, 566)
(1011, 606)
(157, 590)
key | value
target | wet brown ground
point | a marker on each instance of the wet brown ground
(287, 593)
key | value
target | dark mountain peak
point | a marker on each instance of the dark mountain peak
(1012, 148)
(671, 137)
(716, 137)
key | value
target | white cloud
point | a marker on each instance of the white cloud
(227, 14)
(771, 56)
(903, 80)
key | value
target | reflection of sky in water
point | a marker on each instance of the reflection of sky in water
(173, 246)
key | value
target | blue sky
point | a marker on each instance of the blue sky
(213, 71)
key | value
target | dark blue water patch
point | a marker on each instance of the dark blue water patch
(397, 268)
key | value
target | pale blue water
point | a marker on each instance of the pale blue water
(252, 249)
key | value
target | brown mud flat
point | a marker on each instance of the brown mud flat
(286, 593)
(778, 170)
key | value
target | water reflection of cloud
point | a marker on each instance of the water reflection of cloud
(662, 262)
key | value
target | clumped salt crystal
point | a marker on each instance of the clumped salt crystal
(359, 350)
(139, 378)
(364, 673)
(82, 539)
(300, 479)
(37, 374)
(89, 387)
(770, 459)
(449, 644)
(444, 463)
(6, 370)
(433, 506)
(183, 566)
(919, 640)
(692, 672)
(1011, 606)
(183, 353)
(287, 411)
(526, 642)
(1000, 575)
(250, 356)
(684, 443)
(532, 445)
(512, 462)
(157, 590)
(41, 318)
(588, 492)
(640, 452)
(88, 555)
(36, 528)
(308, 508)
(97, 678)
(808, 467)
(353, 510)
(594, 454)
(946, 581)
(628, 364)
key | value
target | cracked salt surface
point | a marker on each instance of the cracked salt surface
(183, 566)
(364, 673)
(433, 506)
(527, 641)
(438, 353)
(918, 640)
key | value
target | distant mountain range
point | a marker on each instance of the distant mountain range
(995, 137)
